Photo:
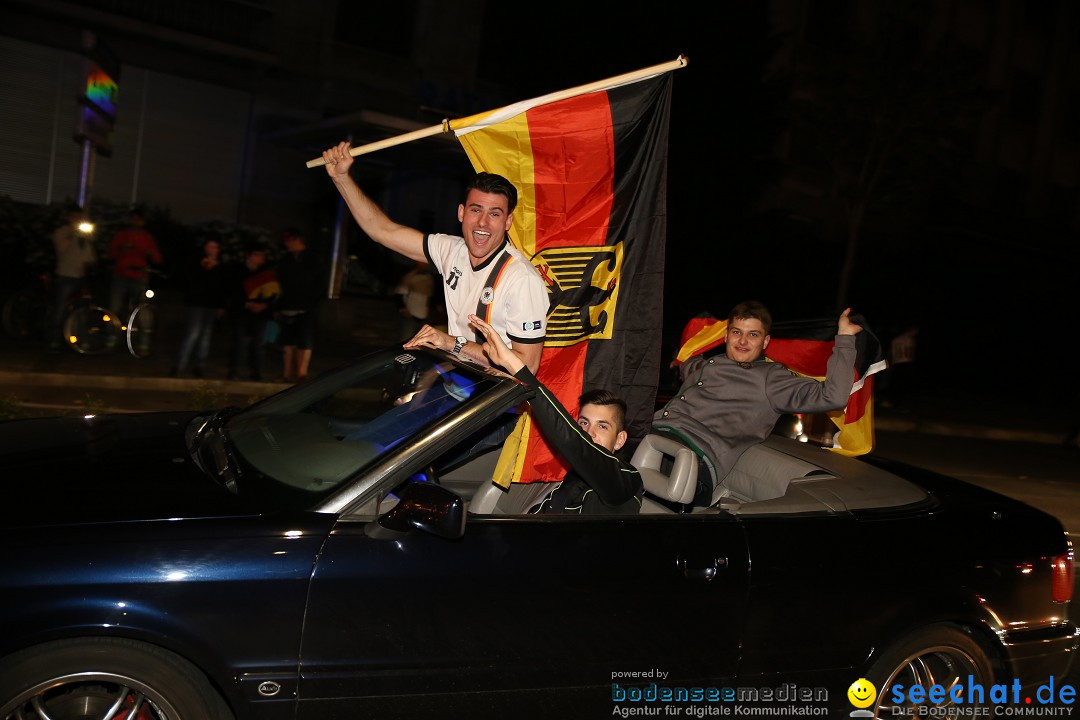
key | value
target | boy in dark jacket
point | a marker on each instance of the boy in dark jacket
(301, 289)
(207, 291)
(598, 482)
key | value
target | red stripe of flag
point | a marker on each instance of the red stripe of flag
(809, 357)
(573, 151)
(592, 172)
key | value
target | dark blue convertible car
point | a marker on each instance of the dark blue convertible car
(331, 552)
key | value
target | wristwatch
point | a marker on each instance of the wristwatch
(459, 343)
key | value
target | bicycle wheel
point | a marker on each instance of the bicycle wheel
(91, 330)
(140, 330)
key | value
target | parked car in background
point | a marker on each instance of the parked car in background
(328, 553)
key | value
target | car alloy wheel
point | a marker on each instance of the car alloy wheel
(99, 678)
(940, 655)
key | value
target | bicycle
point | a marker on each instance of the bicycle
(92, 329)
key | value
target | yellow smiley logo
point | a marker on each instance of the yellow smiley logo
(862, 693)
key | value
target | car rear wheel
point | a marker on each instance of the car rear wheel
(941, 655)
(93, 679)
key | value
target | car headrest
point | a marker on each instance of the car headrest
(653, 457)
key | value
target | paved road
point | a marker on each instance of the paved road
(1046, 475)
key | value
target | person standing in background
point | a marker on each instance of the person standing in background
(75, 253)
(253, 289)
(415, 289)
(131, 251)
(301, 291)
(902, 368)
(206, 286)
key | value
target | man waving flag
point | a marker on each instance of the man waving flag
(591, 171)
(590, 167)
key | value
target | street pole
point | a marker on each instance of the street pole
(86, 174)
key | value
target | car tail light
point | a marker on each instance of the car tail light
(1061, 573)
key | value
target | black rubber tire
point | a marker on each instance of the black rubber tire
(74, 679)
(936, 655)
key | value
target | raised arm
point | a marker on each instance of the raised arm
(790, 393)
(845, 326)
(369, 216)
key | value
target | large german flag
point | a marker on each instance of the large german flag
(805, 346)
(591, 173)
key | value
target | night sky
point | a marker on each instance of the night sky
(714, 134)
(968, 283)
(721, 132)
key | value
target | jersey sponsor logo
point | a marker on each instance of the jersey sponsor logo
(583, 292)
(452, 279)
(487, 295)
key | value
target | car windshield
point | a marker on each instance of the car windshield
(317, 435)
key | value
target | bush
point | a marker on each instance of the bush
(26, 232)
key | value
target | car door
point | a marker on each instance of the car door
(571, 609)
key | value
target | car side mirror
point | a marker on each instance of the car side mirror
(421, 506)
